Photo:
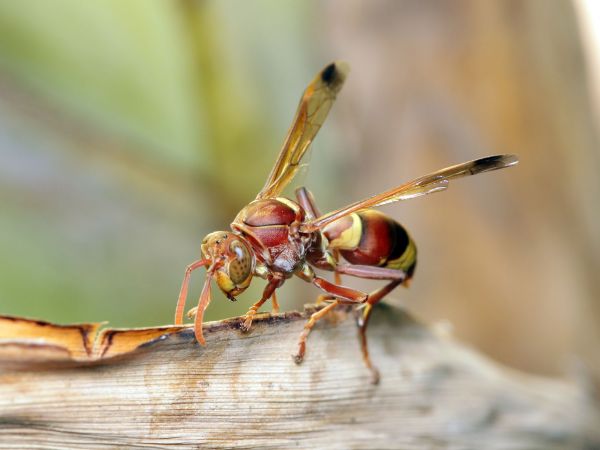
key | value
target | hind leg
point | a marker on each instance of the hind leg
(363, 322)
(397, 277)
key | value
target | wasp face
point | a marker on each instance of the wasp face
(232, 261)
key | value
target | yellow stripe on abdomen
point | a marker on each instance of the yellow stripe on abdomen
(345, 234)
(406, 260)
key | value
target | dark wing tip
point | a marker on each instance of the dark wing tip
(493, 163)
(328, 74)
(334, 74)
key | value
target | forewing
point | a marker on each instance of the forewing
(427, 184)
(310, 115)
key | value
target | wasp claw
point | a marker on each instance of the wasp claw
(192, 312)
(375, 376)
(247, 322)
(299, 357)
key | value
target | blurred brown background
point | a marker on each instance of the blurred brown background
(129, 130)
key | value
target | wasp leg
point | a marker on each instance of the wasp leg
(329, 264)
(307, 202)
(363, 323)
(337, 277)
(192, 312)
(373, 272)
(274, 310)
(269, 292)
(249, 317)
(343, 295)
(323, 298)
(184, 289)
(397, 277)
(274, 304)
(299, 357)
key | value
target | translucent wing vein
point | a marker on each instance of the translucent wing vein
(427, 184)
(311, 113)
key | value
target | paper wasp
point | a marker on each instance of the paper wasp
(274, 237)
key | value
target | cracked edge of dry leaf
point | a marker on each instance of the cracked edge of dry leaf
(31, 341)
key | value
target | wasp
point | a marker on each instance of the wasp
(275, 238)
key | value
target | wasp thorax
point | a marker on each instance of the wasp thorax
(233, 260)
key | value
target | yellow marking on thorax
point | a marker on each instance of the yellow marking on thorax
(407, 259)
(286, 201)
(350, 237)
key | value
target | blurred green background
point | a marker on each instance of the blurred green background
(131, 129)
(139, 127)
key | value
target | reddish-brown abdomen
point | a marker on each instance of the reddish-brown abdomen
(371, 238)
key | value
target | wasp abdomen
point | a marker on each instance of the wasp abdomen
(372, 238)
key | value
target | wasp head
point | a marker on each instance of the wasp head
(231, 261)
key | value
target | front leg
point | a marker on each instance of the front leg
(184, 289)
(274, 281)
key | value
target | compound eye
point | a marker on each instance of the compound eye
(239, 250)
(241, 266)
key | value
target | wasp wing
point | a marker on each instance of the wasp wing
(427, 184)
(310, 115)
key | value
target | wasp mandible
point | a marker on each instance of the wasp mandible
(275, 237)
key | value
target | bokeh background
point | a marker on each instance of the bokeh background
(130, 129)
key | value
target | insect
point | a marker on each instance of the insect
(275, 238)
